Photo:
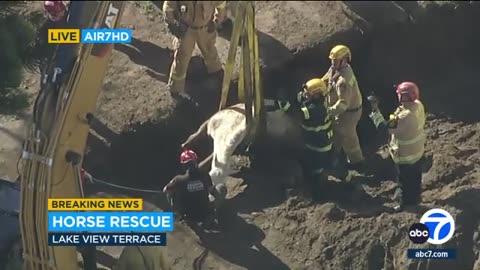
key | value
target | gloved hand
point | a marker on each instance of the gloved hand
(177, 29)
(377, 118)
(374, 102)
(211, 27)
(227, 24)
(301, 97)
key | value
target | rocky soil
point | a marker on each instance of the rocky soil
(140, 127)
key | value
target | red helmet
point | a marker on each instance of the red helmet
(188, 156)
(54, 9)
(408, 88)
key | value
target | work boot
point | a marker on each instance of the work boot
(183, 98)
(410, 206)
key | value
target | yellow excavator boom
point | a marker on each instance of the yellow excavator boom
(54, 148)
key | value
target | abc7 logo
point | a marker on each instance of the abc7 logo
(436, 227)
(418, 233)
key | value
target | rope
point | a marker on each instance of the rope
(198, 261)
(95, 180)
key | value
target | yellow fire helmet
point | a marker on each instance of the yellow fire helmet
(340, 51)
(315, 86)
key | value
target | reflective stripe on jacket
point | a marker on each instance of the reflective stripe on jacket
(317, 127)
(407, 143)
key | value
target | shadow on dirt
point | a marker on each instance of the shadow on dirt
(260, 192)
(158, 4)
(150, 55)
(273, 53)
(158, 60)
(17, 137)
(241, 244)
(409, 29)
(351, 197)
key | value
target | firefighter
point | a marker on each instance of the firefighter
(55, 10)
(142, 257)
(407, 142)
(345, 105)
(193, 22)
(317, 133)
(193, 194)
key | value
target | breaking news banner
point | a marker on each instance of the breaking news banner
(86, 36)
(107, 222)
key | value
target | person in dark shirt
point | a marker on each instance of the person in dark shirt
(192, 194)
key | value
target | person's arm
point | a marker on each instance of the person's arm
(343, 92)
(322, 113)
(169, 9)
(173, 183)
(398, 122)
(207, 181)
(382, 125)
(326, 77)
(220, 12)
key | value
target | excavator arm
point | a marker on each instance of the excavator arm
(54, 148)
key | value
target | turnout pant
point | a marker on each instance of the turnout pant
(410, 180)
(315, 166)
(345, 136)
(183, 49)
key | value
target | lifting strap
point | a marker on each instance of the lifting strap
(249, 82)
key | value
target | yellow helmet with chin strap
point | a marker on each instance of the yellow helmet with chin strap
(316, 86)
(339, 52)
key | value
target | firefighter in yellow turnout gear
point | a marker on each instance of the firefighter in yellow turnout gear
(345, 105)
(407, 142)
(317, 133)
(193, 22)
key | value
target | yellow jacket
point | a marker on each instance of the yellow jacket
(344, 93)
(194, 13)
(407, 143)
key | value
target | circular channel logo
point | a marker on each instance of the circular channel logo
(440, 224)
(418, 233)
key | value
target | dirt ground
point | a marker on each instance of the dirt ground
(140, 127)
